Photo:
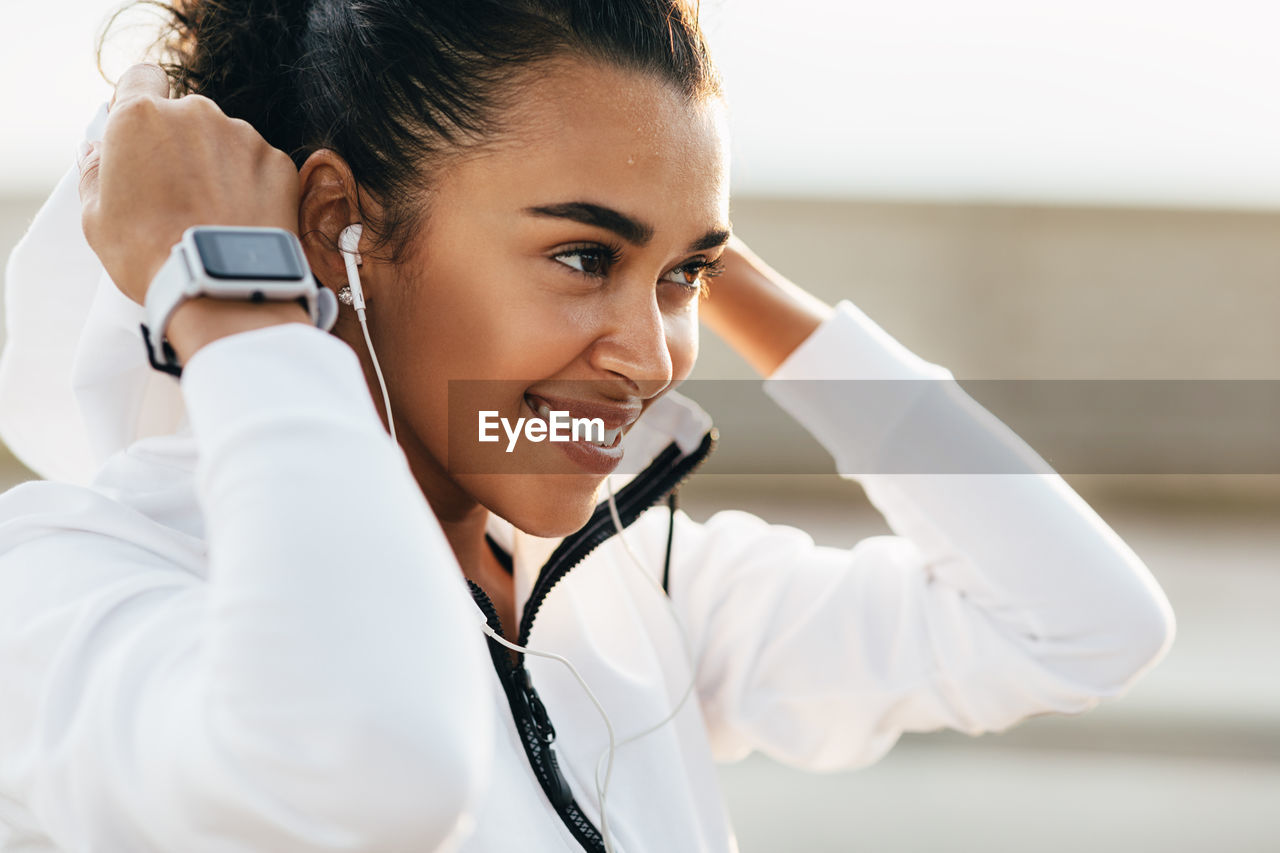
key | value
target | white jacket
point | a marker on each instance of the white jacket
(249, 633)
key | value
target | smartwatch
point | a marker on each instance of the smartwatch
(249, 264)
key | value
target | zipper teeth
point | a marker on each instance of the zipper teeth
(637, 496)
(486, 606)
(536, 733)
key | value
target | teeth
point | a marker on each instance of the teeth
(610, 435)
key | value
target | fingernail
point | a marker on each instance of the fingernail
(83, 150)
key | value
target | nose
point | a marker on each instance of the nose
(633, 343)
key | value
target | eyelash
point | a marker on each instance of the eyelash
(612, 254)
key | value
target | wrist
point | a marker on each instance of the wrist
(203, 320)
(757, 311)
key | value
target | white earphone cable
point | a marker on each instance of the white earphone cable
(684, 641)
(386, 399)
(349, 246)
(604, 818)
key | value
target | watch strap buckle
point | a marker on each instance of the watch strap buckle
(170, 364)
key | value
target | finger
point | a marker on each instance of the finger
(88, 159)
(141, 80)
(83, 150)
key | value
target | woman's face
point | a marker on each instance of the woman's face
(559, 268)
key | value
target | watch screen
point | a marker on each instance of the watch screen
(248, 254)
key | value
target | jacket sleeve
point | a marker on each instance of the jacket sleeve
(322, 689)
(1001, 594)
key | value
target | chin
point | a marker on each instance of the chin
(549, 505)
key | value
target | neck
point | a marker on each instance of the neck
(462, 518)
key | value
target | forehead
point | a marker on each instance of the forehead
(587, 131)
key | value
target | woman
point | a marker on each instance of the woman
(248, 629)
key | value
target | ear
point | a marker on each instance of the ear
(327, 204)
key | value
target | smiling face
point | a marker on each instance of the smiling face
(559, 268)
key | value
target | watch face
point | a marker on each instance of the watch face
(265, 254)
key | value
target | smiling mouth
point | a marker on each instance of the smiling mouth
(542, 410)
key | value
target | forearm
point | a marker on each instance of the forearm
(272, 684)
(989, 518)
(337, 614)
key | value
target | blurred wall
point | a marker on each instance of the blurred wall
(1016, 292)
(1043, 292)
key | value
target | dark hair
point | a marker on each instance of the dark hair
(396, 85)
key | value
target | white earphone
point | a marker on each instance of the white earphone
(348, 244)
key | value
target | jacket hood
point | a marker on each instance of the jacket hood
(75, 385)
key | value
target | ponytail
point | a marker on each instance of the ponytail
(244, 55)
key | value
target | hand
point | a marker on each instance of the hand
(758, 312)
(164, 165)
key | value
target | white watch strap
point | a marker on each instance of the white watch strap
(168, 290)
(324, 308)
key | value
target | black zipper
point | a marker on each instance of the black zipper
(664, 474)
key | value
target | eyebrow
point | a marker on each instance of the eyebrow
(712, 239)
(628, 228)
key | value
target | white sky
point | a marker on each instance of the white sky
(1094, 101)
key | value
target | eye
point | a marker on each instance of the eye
(693, 276)
(593, 260)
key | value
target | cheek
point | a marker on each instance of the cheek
(483, 322)
(533, 337)
(682, 343)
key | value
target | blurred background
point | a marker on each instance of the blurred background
(1016, 191)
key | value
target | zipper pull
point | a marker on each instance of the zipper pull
(537, 711)
(540, 716)
(558, 792)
